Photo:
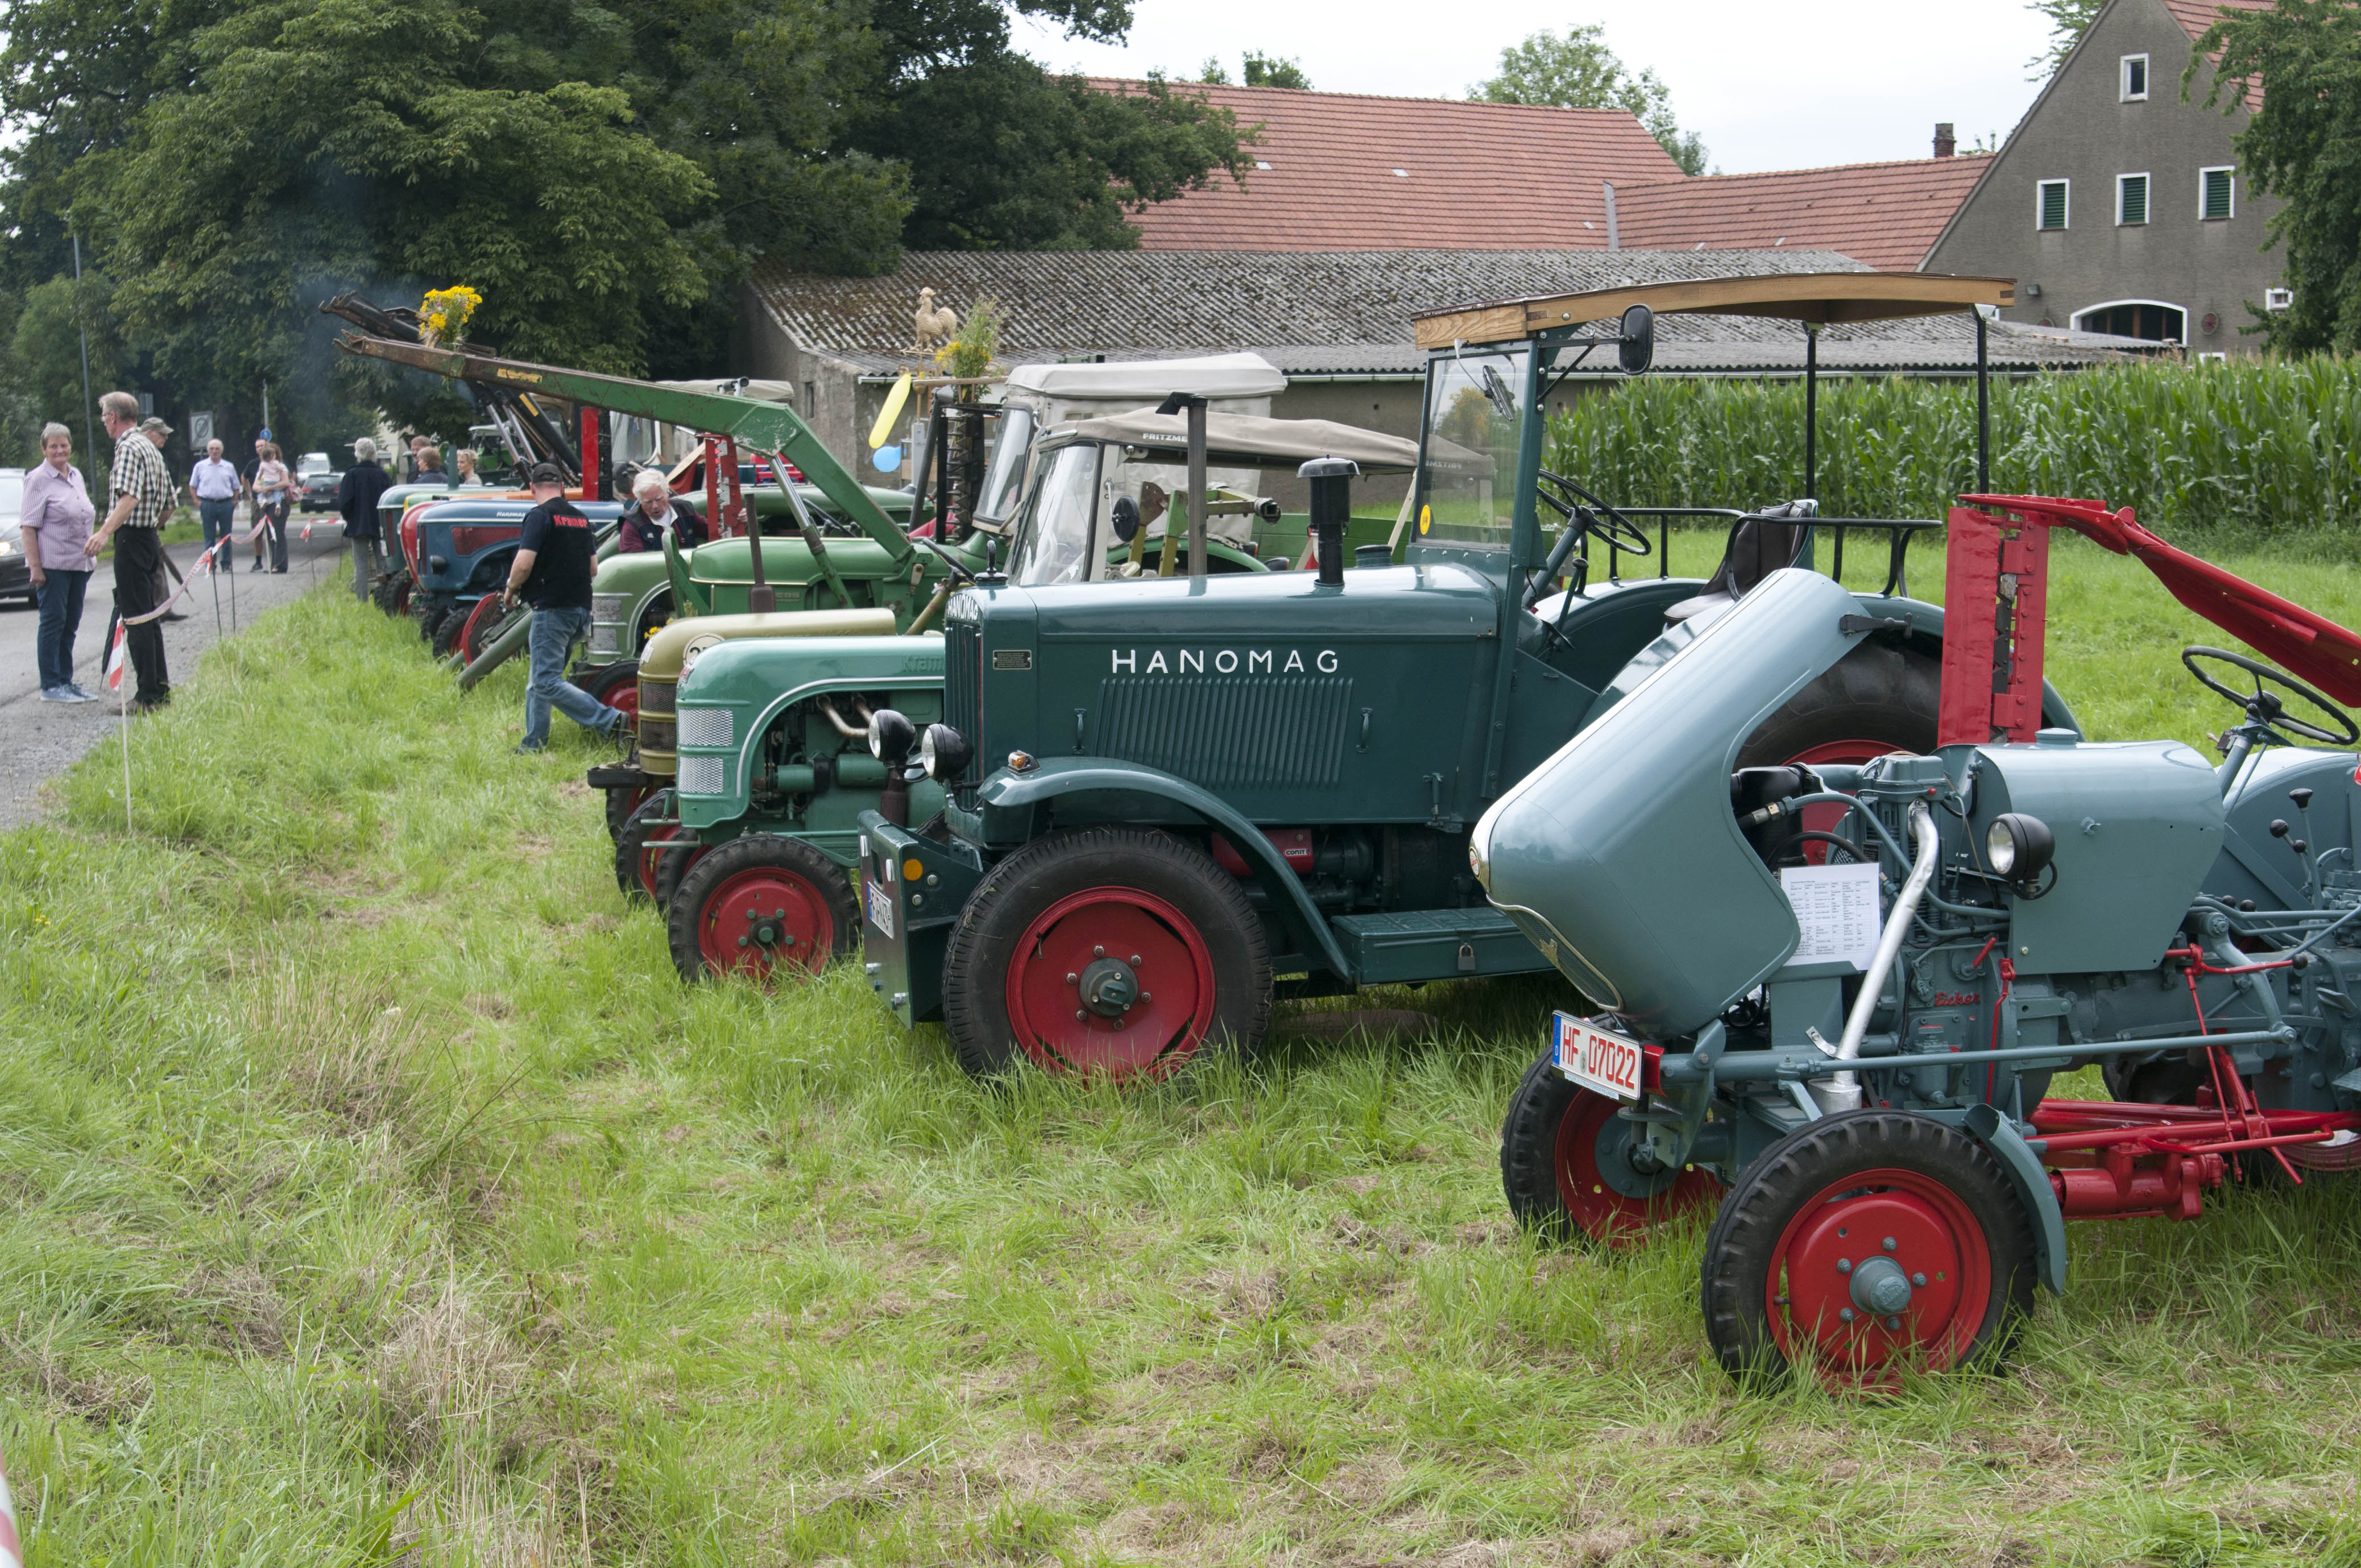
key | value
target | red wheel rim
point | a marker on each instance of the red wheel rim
(1604, 1213)
(651, 859)
(1823, 819)
(764, 920)
(1140, 998)
(1813, 1294)
(624, 698)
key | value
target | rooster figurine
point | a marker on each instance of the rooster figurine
(934, 323)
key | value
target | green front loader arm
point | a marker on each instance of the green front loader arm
(759, 426)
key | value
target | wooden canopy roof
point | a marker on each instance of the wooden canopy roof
(1816, 298)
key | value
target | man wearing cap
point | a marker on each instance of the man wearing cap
(158, 432)
(552, 573)
(357, 496)
(142, 490)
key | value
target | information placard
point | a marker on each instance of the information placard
(1837, 907)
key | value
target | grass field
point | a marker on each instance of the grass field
(375, 1189)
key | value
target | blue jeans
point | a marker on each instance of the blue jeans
(554, 634)
(60, 599)
(220, 518)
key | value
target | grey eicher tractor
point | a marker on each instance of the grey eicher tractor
(1850, 1031)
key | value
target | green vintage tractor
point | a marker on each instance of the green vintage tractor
(1166, 803)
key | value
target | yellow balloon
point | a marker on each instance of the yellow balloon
(898, 395)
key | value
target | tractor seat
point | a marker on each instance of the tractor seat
(1763, 542)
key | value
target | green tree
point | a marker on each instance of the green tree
(1577, 70)
(1269, 71)
(2304, 146)
(2069, 21)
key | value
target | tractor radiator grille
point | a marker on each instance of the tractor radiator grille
(963, 691)
(657, 734)
(705, 775)
(706, 725)
(1248, 730)
(657, 696)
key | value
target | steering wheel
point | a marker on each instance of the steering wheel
(1582, 509)
(2262, 706)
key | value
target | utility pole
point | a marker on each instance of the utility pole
(89, 433)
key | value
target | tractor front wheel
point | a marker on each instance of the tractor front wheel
(480, 629)
(1569, 1165)
(641, 859)
(1864, 1244)
(1113, 951)
(391, 592)
(762, 903)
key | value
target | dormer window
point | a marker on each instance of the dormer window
(2135, 79)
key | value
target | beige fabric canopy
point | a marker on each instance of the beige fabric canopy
(1816, 298)
(1247, 441)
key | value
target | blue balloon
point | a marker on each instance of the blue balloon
(888, 459)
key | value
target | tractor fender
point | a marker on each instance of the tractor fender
(1063, 778)
(1925, 630)
(1994, 1131)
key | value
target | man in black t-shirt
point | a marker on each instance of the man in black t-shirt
(552, 573)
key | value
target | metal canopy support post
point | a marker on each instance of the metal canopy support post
(1811, 411)
(1983, 411)
(1196, 487)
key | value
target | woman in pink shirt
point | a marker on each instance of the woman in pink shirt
(57, 518)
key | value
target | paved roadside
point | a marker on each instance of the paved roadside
(46, 738)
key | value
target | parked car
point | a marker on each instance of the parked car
(316, 482)
(15, 577)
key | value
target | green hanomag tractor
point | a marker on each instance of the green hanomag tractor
(1165, 804)
(774, 826)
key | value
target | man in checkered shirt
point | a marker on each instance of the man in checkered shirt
(141, 488)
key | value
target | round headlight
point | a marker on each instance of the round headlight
(2018, 847)
(943, 751)
(891, 736)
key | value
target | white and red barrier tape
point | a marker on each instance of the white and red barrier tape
(12, 1554)
(208, 561)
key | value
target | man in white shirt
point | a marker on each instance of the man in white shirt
(214, 486)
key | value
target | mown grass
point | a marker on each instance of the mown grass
(374, 1187)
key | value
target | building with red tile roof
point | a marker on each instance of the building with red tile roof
(1355, 171)
(1887, 215)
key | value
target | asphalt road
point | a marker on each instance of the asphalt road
(45, 738)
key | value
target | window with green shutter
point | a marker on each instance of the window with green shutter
(2052, 204)
(2131, 198)
(2219, 199)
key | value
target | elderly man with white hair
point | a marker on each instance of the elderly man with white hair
(357, 496)
(655, 513)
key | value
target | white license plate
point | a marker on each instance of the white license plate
(1599, 1059)
(880, 906)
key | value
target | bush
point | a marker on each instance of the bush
(2260, 448)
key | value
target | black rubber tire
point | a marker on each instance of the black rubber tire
(1027, 883)
(686, 911)
(1529, 1153)
(390, 593)
(1878, 692)
(604, 680)
(621, 801)
(447, 631)
(672, 870)
(1771, 1191)
(630, 842)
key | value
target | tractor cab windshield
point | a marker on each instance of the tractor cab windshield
(1053, 541)
(1004, 477)
(1473, 438)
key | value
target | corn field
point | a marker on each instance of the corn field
(2253, 450)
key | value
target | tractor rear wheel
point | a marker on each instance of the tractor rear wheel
(1567, 1165)
(639, 863)
(1114, 951)
(1877, 699)
(762, 903)
(1866, 1243)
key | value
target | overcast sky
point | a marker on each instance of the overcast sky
(1792, 86)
